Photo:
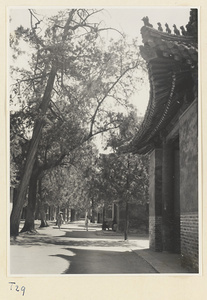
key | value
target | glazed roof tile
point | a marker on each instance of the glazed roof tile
(172, 64)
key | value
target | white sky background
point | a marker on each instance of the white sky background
(126, 19)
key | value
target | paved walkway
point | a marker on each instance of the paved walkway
(27, 257)
(162, 262)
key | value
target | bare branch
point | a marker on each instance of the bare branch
(105, 96)
(32, 78)
(60, 114)
(39, 41)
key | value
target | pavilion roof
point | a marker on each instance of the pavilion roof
(172, 63)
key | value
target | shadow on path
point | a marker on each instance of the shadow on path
(105, 262)
(72, 250)
(68, 239)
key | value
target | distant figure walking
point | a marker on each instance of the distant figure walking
(86, 223)
(59, 220)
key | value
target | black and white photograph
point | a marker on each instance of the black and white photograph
(104, 164)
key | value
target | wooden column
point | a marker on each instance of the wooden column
(155, 200)
(167, 198)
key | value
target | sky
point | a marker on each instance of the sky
(126, 19)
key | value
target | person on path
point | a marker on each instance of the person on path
(86, 223)
(59, 220)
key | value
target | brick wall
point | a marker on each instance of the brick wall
(155, 233)
(188, 139)
(189, 241)
(188, 131)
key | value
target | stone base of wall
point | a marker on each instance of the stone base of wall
(189, 241)
(176, 236)
(155, 233)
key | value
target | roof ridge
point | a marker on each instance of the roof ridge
(168, 36)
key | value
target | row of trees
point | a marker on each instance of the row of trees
(94, 181)
(70, 91)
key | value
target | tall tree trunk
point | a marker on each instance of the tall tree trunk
(43, 215)
(41, 206)
(93, 212)
(104, 213)
(126, 227)
(16, 211)
(93, 216)
(32, 196)
(68, 207)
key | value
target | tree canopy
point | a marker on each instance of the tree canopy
(124, 178)
(76, 85)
